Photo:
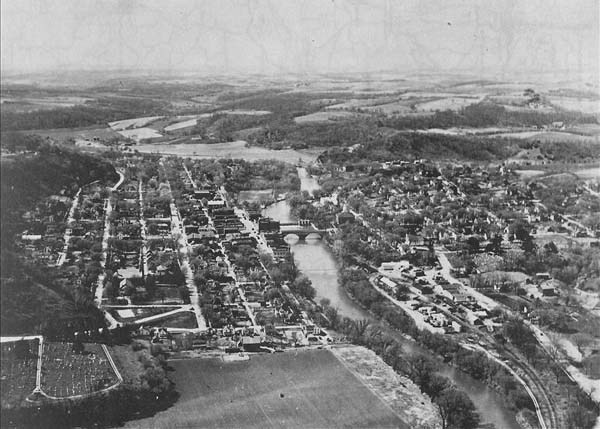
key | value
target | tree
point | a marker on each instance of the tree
(518, 332)
(495, 244)
(580, 418)
(520, 229)
(457, 410)
(528, 245)
(581, 341)
(333, 317)
(436, 386)
(421, 369)
(303, 286)
(551, 248)
(473, 244)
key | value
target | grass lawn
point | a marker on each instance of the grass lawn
(307, 388)
(122, 315)
(185, 319)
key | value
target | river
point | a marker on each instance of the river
(315, 259)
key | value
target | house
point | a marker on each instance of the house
(388, 284)
(542, 276)
(460, 298)
(548, 288)
(281, 252)
(204, 193)
(216, 204)
(473, 319)
(251, 343)
(387, 266)
(268, 225)
(31, 237)
(254, 215)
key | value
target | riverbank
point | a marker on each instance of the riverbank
(450, 369)
(487, 400)
(400, 393)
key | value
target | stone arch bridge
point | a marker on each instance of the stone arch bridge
(302, 229)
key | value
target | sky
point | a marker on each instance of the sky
(302, 36)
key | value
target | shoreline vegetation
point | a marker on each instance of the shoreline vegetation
(476, 364)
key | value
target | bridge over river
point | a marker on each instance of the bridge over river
(302, 229)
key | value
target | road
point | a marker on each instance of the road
(121, 180)
(189, 176)
(62, 256)
(446, 273)
(178, 233)
(415, 315)
(522, 371)
(143, 232)
(105, 237)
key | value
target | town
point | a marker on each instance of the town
(325, 216)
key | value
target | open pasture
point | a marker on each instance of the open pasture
(305, 388)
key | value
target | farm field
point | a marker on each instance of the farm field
(42, 103)
(236, 149)
(308, 388)
(132, 123)
(548, 136)
(139, 134)
(244, 112)
(329, 115)
(181, 125)
(396, 107)
(452, 103)
(77, 133)
(578, 104)
(399, 392)
(529, 173)
(589, 173)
